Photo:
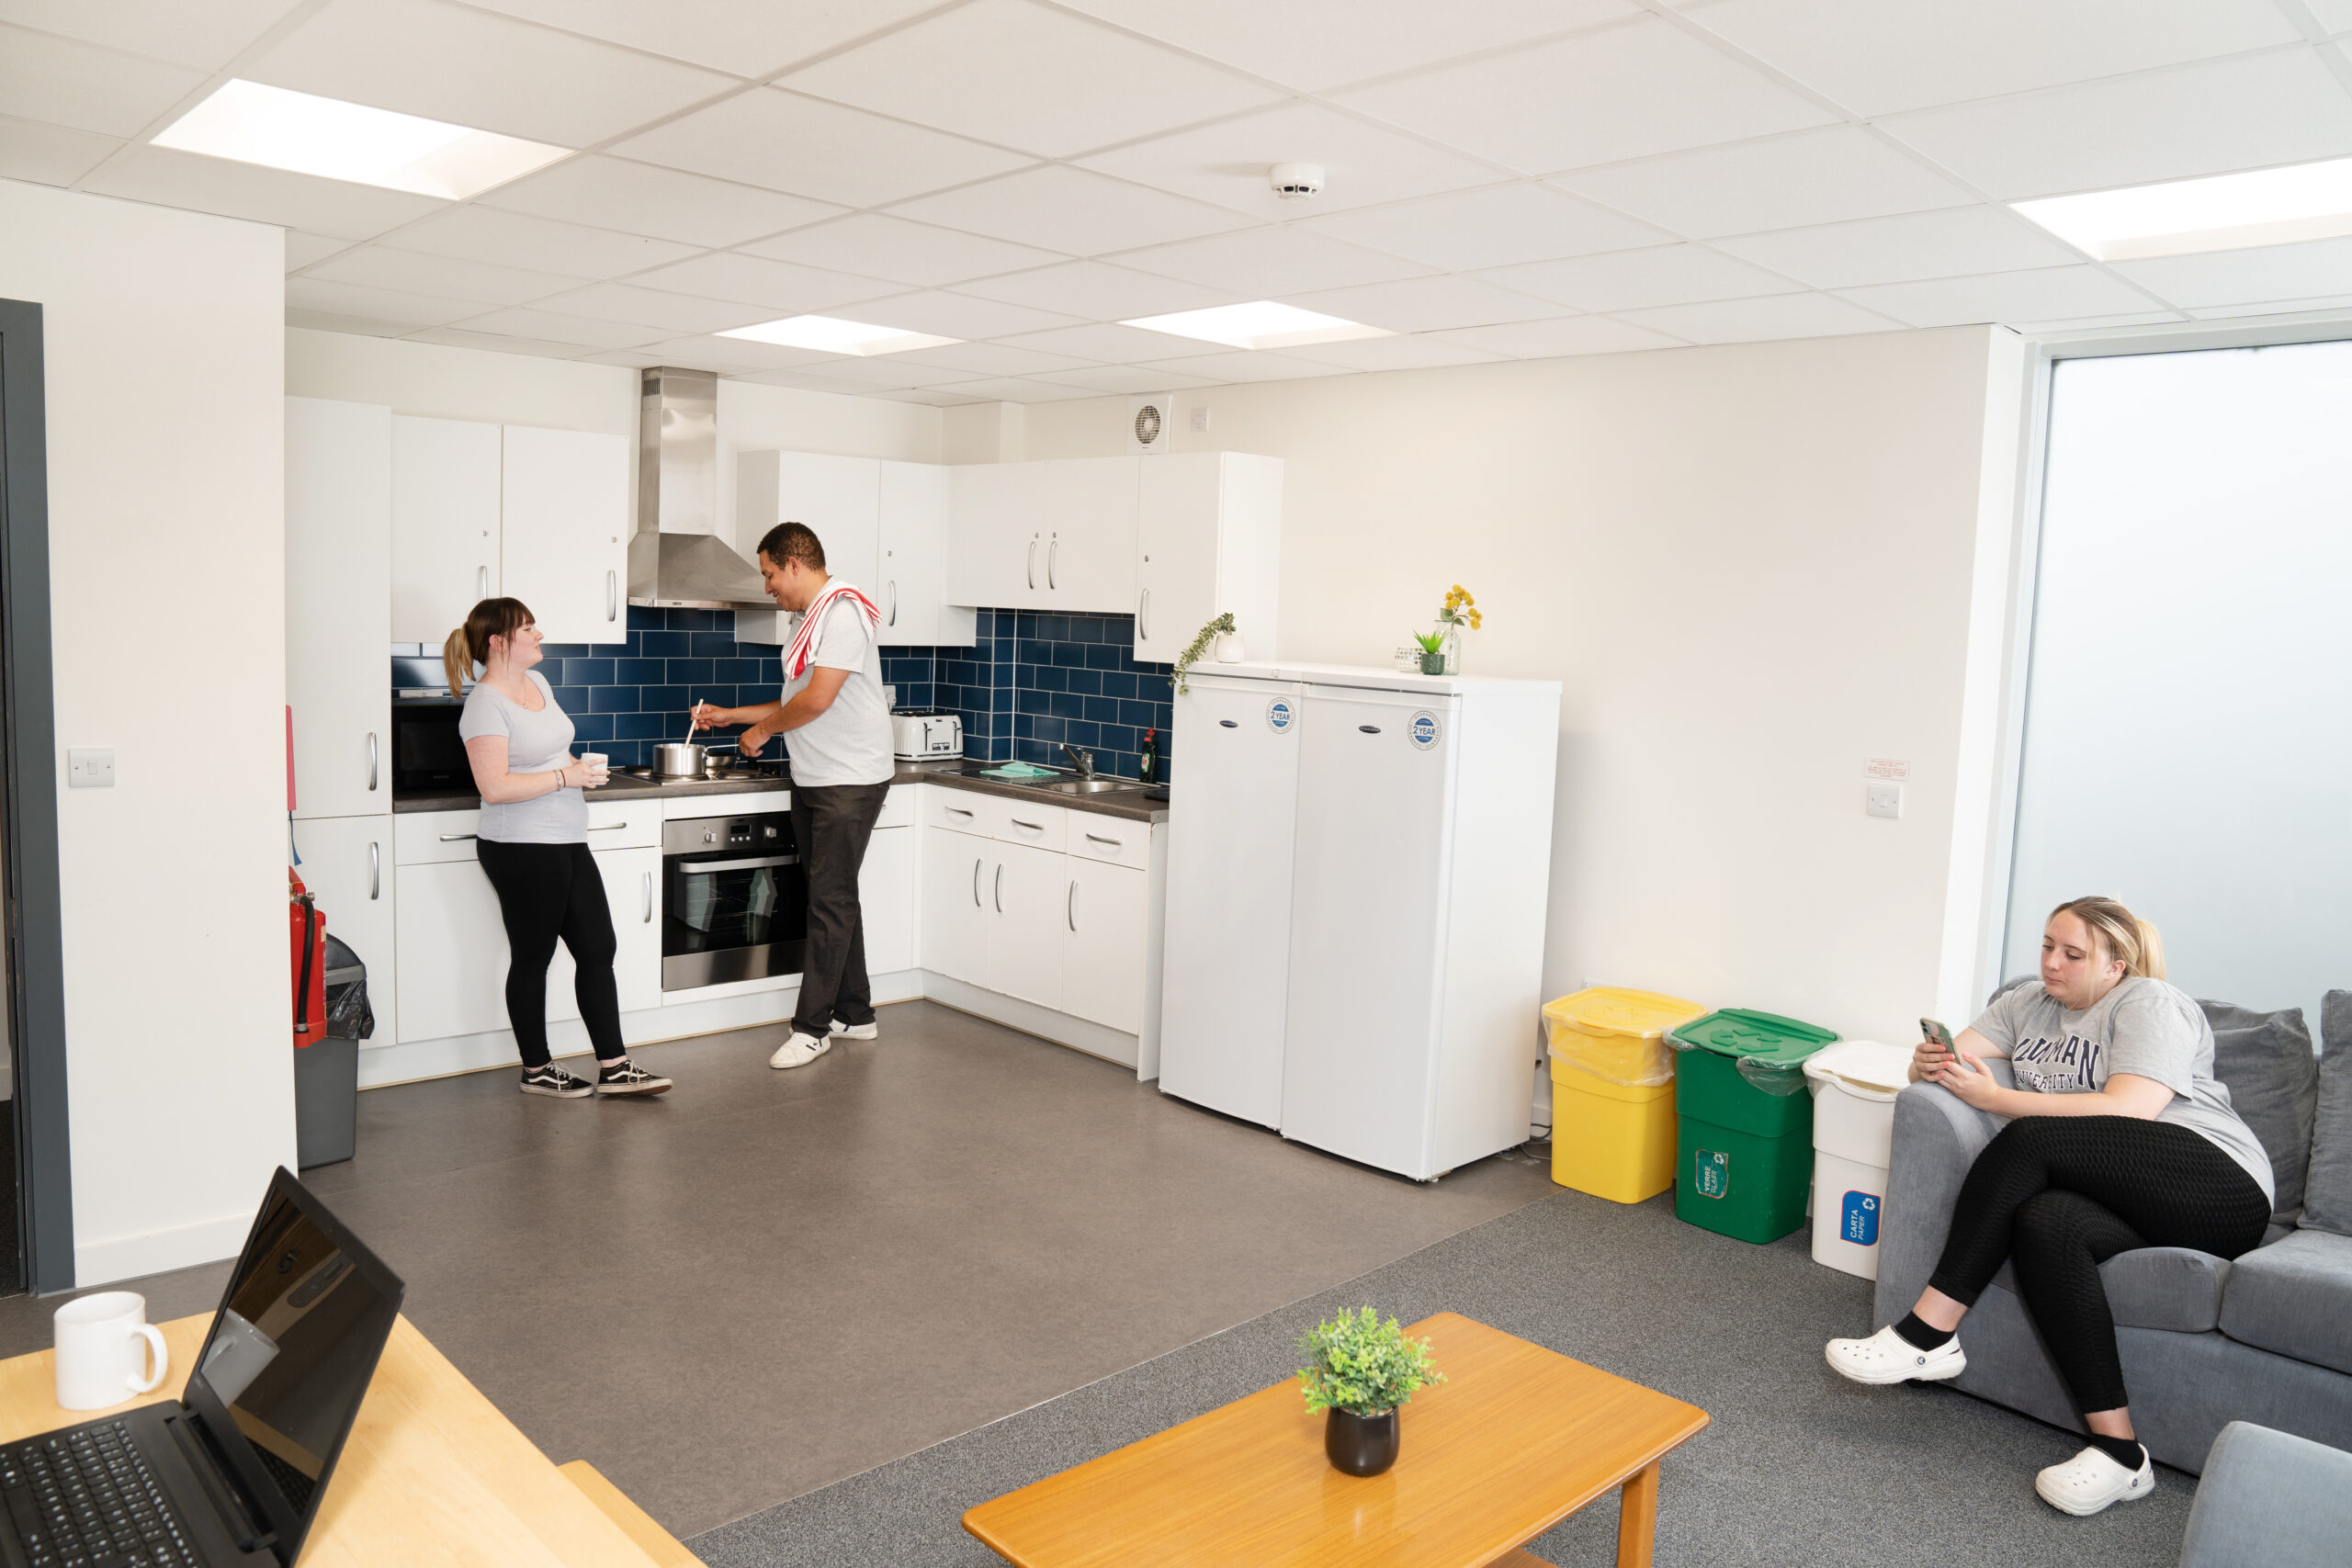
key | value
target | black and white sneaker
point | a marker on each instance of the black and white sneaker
(629, 1079)
(552, 1079)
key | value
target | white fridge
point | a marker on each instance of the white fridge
(1369, 852)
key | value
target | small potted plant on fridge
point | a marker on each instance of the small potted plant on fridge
(1363, 1370)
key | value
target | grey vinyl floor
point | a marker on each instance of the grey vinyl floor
(765, 1283)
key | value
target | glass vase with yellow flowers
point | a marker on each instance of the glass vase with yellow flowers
(1460, 610)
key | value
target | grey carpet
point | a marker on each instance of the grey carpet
(1799, 1466)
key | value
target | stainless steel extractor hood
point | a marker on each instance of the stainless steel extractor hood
(676, 558)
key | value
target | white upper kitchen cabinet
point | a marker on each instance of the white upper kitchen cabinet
(348, 866)
(886, 895)
(996, 543)
(1208, 539)
(338, 606)
(955, 904)
(838, 498)
(565, 528)
(1026, 888)
(911, 588)
(1104, 909)
(1090, 555)
(633, 892)
(445, 500)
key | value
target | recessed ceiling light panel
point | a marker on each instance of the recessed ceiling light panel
(2221, 212)
(307, 135)
(1263, 324)
(833, 335)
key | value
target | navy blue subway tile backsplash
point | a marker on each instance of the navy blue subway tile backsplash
(1032, 682)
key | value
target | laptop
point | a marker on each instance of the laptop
(234, 1473)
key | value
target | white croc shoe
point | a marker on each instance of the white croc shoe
(1887, 1356)
(799, 1051)
(2091, 1480)
(856, 1030)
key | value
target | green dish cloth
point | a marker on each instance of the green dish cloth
(1017, 771)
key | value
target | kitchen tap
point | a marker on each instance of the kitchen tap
(1085, 761)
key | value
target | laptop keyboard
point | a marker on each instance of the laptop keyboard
(85, 1499)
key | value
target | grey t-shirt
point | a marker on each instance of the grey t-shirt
(2144, 1027)
(536, 743)
(848, 743)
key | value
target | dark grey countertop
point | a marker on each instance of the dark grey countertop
(1127, 804)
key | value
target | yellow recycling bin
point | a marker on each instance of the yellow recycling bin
(1613, 1090)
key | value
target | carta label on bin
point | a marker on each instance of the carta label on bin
(1860, 1222)
(1711, 1173)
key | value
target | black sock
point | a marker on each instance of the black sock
(2125, 1451)
(1921, 1335)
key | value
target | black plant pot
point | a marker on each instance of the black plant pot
(1359, 1445)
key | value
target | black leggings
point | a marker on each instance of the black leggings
(546, 891)
(2060, 1195)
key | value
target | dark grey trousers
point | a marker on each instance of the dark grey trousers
(831, 823)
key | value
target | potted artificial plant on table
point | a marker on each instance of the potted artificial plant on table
(1363, 1370)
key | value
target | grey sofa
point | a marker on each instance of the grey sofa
(2269, 1500)
(2267, 1339)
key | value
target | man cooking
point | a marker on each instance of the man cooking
(840, 746)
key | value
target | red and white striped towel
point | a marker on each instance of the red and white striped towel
(804, 641)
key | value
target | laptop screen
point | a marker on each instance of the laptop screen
(291, 1352)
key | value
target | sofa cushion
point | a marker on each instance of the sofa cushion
(2154, 1287)
(2328, 1183)
(2265, 1059)
(2294, 1297)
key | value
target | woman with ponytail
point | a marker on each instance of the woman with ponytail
(2120, 1138)
(533, 843)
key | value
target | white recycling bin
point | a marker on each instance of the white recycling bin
(1854, 1083)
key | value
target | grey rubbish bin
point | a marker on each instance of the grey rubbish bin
(326, 1074)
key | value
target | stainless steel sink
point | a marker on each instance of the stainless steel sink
(1087, 786)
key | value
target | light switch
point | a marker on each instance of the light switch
(1885, 799)
(89, 768)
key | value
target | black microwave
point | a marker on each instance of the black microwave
(426, 752)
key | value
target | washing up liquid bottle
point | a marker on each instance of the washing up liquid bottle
(1148, 772)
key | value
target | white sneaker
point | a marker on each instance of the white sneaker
(2091, 1480)
(1887, 1356)
(856, 1030)
(799, 1051)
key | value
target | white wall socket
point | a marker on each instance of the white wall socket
(89, 768)
(1885, 799)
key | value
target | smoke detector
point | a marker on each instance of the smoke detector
(1295, 182)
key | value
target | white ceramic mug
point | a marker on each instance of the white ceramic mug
(100, 1353)
(599, 765)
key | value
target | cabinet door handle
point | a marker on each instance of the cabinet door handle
(457, 838)
(481, 583)
(1115, 843)
(612, 595)
(976, 885)
(1070, 906)
(1032, 564)
(1231, 723)
(371, 761)
(1000, 888)
(606, 827)
(1142, 615)
(1032, 826)
(958, 811)
(894, 601)
(374, 870)
(649, 899)
(1053, 552)
(1369, 728)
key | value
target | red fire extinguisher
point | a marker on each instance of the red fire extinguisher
(308, 929)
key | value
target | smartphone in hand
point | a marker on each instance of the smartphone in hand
(1937, 1034)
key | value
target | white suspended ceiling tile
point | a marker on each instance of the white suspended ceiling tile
(2078, 324)
(1426, 304)
(2270, 307)
(517, 239)
(1020, 74)
(789, 142)
(171, 178)
(1404, 352)
(1880, 56)
(991, 359)
(1316, 44)
(61, 82)
(554, 326)
(302, 249)
(205, 37)
(1098, 291)
(354, 326)
(876, 245)
(627, 359)
(699, 351)
(886, 370)
(799, 380)
(1130, 379)
(2317, 269)
(377, 304)
(1112, 344)
(2045, 294)
(1622, 91)
(1074, 211)
(496, 342)
(745, 38)
(1494, 227)
(944, 314)
(644, 198)
(657, 308)
(49, 155)
(2283, 106)
(1562, 338)
(1272, 260)
(1020, 389)
(1760, 320)
(1228, 162)
(755, 280)
(1246, 365)
(449, 277)
(936, 397)
(1786, 182)
(1624, 280)
(1955, 242)
(2335, 16)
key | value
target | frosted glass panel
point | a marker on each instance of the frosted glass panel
(2188, 719)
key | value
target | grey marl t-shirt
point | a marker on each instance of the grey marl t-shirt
(536, 743)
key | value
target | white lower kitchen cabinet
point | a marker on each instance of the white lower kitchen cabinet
(1105, 911)
(347, 865)
(633, 888)
(886, 893)
(954, 907)
(1027, 889)
(453, 955)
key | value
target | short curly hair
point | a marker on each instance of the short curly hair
(794, 541)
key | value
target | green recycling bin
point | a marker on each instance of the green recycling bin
(1744, 1144)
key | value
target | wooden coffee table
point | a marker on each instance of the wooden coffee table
(1516, 1439)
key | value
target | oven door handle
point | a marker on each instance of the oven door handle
(704, 867)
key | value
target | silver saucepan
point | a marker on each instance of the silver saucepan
(679, 759)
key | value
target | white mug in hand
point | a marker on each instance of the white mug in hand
(102, 1345)
(600, 767)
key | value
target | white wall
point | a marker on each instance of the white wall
(1752, 567)
(166, 370)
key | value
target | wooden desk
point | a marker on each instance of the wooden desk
(1515, 1441)
(432, 1474)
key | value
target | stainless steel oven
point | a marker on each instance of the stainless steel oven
(734, 900)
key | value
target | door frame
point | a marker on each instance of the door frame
(29, 845)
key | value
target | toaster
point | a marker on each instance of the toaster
(918, 733)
